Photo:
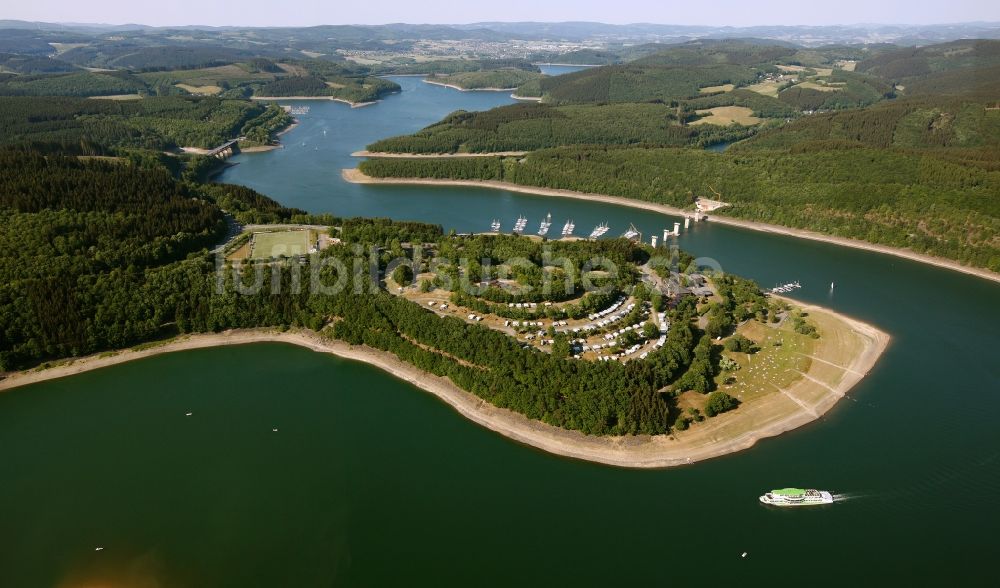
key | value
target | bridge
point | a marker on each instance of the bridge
(227, 149)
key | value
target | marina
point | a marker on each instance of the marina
(785, 288)
(599, 231)
(498, 407)
(889, 410)
(543, 228)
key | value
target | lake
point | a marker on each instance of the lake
(370, 481)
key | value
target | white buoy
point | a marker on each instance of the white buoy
(744, 554)
(275, 430)
(188, 413)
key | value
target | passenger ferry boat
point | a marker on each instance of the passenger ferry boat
(796, 497)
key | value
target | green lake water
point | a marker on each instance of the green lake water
(369, 481)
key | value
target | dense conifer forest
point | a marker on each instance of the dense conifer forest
(526, 127)
(96, 126)
(898, 197)
(103, 253)
(492, 79)
(108, 254)
(902, 152)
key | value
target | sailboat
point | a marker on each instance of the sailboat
(543, 229)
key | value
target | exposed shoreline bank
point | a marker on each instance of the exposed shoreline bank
(356, 176)
(573, 64)
(253, 149)
(658, 451)
(461, 89)
(388, 155)
(280, 98)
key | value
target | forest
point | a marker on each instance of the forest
(97, 127)
(32, 64)
(454, 66)
(530, 126)
(844, 90)
(918, 123)
(637, 83)
(491, 79)
(911, 165)
(108, 254)
(74, 84)
(894, 197)
(352, 89)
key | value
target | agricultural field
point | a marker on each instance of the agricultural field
(766, 88)
(819, 71)
(200, 90)
(821, 86)
(117, 97)
(727, 115)
(714, 89)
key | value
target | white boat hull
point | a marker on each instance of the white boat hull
(817, 499)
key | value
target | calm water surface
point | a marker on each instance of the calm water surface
(369, 481)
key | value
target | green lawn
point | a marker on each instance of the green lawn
(277, 244)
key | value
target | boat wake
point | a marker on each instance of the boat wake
(845, 496)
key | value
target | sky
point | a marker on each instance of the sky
(315, 12)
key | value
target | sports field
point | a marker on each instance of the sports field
(281, 243)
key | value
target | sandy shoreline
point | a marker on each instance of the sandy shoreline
(288, 129)
(355, 175)
(388, 155)
(633, 452)
(280, 98)
(461, 89)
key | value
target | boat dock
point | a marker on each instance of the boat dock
(543, 229)
(599, 230)
(786, 288)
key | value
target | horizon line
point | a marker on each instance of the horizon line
(486, 23)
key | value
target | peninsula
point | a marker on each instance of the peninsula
(645, 366)
(796, 406)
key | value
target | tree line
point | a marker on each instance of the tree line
(921, 200)
(108, 255)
